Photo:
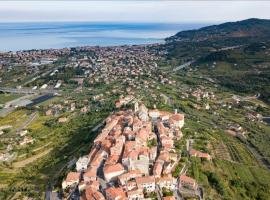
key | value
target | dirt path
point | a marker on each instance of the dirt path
(28, 121)
(37, 149)
(22, 163)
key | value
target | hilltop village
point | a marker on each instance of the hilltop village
(133, 158)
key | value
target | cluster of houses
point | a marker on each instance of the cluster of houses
(59, 108)
(123, 100)
(134, 65)
(201, 94)
(132, 157)
(235, 130)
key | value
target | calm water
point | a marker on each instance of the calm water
(20, 36)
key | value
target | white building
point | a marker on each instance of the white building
(135, 194)
(82, 163)
(146, 183)
(166, 182)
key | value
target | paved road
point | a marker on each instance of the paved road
(28, 90)
(183, 65)
(11, 105)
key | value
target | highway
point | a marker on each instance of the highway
(28, 90)
(183, 65)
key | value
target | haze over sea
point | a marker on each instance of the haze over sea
(25, 36)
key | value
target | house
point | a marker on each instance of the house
(72, 179)
(185, 181)
(146, 183)
(113, 171)
(177, 121)
(136, 194)
(123, 101)
(92, 194)
(140, 161)
(62, 119)
(49, 112)
(153, 153)
(167, 142)
(199, 154)
(143, 113)
(93, 184)
(118, 147)
(22, 133)
(164, 116)
(130, 185)
(115, 193)
(112, 160)
(98, 159)
(154, 114)
(90, 174)
(158, 167)
(124, 178)
(82, 163)
(27, 140)
(166, 182)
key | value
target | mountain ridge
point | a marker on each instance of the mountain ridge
(253, 27)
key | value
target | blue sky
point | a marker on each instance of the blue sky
(133, 11)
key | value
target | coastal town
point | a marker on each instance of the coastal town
(56, 112)
(124, 122)
(133, 158)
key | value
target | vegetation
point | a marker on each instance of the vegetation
(152, 143)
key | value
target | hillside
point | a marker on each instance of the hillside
(235, 54)
(250, 28)
(192, 44)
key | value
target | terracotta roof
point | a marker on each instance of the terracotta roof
(165, 179)
(135, 192)
(194, 152)
(71, 176)
(116, 193)
(90, 172)
(145, 179)
(157, 168)
(113, 168)
(177, 117)
(113, 159)
(131, 174)
(92, 194)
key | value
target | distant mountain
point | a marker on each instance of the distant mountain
(250, 28)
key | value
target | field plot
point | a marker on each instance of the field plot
(222, 152)
(239, 153)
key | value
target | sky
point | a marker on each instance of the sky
(133, 11)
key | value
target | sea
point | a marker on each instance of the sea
(47, 35)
